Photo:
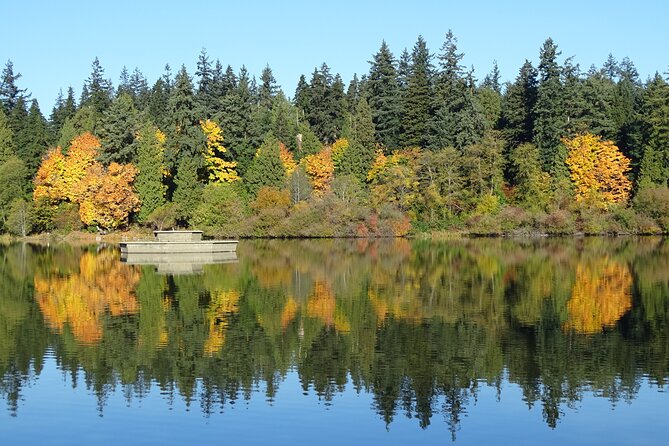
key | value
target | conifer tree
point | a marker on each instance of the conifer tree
(62, 111)
(549, 112)
(384, 98)
(188, 189)
(266, 169)
(32, 138)
(97, 91)
(627, 113)
(517, 106)
(204, 96)
(9, 91)
(185, 138)
(418, 98)
(363, 125)
(139, 88)
(655, 164)
(148, 183)
(6, 139)
(119, 125)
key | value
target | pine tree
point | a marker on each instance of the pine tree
(418, 99)
(97, 91)
(117, 134)
(549, 112)
(188, 189)
(34, 137)
(384, 97)
(149, 184)
(266, 169)
(6, 139)
(204, 97)
(655, 164)
(517, 107)
(186, 140)
(9, 91)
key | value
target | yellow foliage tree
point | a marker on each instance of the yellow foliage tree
(49, 184)
(320, 169)
(287, 159)
(106, 196)
(598, 170)
(339, 150)
(220, 170)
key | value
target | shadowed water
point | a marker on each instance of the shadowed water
(394, 341)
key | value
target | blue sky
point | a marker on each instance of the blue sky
(53, 43)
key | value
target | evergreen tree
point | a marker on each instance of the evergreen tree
(627, 113)
(97, 91)
(517, 106)
(284, 121)
(531, 183)
(33, 139)
(63, 110)
(549, 112)
(384, 97)
(357, 161)
(266, 169)
(237, 107)
(597, 98)
(140, 89)
(655, 164)
(302, 94)
(9, 91)
(13, 184)
(148, 183)
(6, 139)
(492, 79)
(119, 125)
(418, 98)
(353, 94)
(124, 83)
(268, 88)
(363, 125)
(326, 106)
(84, 120)
(158, 103)
(205, 98)
(188, 189)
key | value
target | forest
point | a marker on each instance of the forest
(416, 145)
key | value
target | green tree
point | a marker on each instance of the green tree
(20, 217)
(655, 163)
(84, 120)
(549, 112)
(10, 93)
(188, 190)
(363, 125)
(97, 91)
(531, 183)
(150, 163)
(266, 169)
(518, 105)
(628, 112)
(62, 111)
(204, 96)
(33, 139)
(357, 160)
(13, 184)
(384, 99)
(119, 125)
(418, 98)
(6, 139)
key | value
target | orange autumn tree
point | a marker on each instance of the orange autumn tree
(105, 195)
(598, 170)
(287, 159)
(320, 169)
(220, 170)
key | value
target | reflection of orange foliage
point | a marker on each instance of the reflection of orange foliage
(288, 313)
(223, 304)
(601, 295)
(80, 300)
(321, 303)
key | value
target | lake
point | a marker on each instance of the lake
(473, 341)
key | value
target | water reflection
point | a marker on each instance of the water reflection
(421, 326)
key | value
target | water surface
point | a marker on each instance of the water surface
(393, 341)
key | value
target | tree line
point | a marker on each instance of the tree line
(416, 144)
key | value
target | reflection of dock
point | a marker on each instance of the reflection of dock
(179, 252)
(179, 263)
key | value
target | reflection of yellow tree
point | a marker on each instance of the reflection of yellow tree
(103, 284)
(601, 295)
(223, 304)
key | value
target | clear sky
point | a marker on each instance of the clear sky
(52, 43)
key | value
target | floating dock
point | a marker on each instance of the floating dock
(178, 242)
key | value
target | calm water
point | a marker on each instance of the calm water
(303, 342)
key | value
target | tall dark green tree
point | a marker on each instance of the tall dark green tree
(655, 163)
(236, 109)
(139, 88)
(119, 125)
(9, 90)
(627, 113)
(188, 189)
(149, 180)
(518, 105)
(62, 110)
(205, 95)
(417, 102)
(549, 112)
(363, 125)
(6, 138)
(186, 139)
(597, 98)
(33, 139)
(325, 109)
(97, 91)
(384, 98)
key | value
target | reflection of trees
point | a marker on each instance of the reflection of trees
(419, 325)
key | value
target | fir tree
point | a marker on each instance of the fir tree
(384, 98)
(63, 110)
(597, 98)
(9, 91)
(148, 183)
(188, 189)
(418, 98)
(627, 113)
(363, 125)
(6, 139)
(655, 163)
(268, 88)
(517, 106)
(302, 94)
(117, 133)
(97, 91)
(204, 97)
(33, 139)
(140, 89)
(266, 168)
(549, 112)
(124, 83)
